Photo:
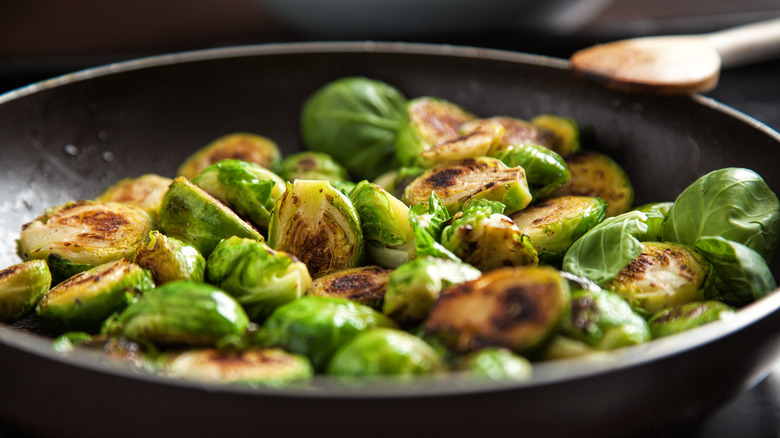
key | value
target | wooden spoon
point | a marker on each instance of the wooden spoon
(678, 64)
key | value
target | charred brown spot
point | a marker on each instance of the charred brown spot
(445, 177)
(307, 163)
(10, 271)
(521, 306)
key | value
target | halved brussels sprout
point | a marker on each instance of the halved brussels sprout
(85, 300)
(604, 321)
(190, 214)
(385, 352)
(496, 364)
(248, 188)
(365, 285)
(415, 286)
(484, 177)
(517, 131)
(556, 223)
(145, 192)
(565, 133)
(429, 122)
(317, 326)
(258, 277)
(479, 138)
(239, 145)
(319, 225)
(516, 308)
(264, 366)
(169, 259)
(396, 180)
(21, 287)
(483, 237)
(596, 174)
(312, 165)
(81, 235)
(384, 220)
(663, 275)
(545, 170)
(683, 317)
(355, 120)
(181, 313)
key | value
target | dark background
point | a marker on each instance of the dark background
(40, 39)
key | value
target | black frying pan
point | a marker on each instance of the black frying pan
(69, 137)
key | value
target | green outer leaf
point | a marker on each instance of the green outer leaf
(21, 287)
(608, 247)
(743, 273)
(657, 213)
(604, 321)
(355, 120)
(733, 203)
(545, 170)
(383, 218)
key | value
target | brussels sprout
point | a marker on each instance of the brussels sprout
(365, 285)
(319, 225)
(565, 133)
(733, 203)
(85, 300)
(66, 342)
(249, 189)
(683, 317)
(240, 146)
(317, 326)
(545, 170)
(517, 132)
(385, 352)
(556, 223)
(429, 122)
(483, 237)
(563, 347)
(81, 235)
(430, 216)
(258, 277)
(604, 321)
(265, 366)
(396, 180)
(190, 214)
(415, 286)
(479, 138)
(181, 313)
(595, 174)
(384, 220)
(21, 287)
(656, 213)
(457, 182)
(496, 364)
(145, 192)
(356, 121)
(312, 165)
(516, 308)
(169, 259)
(663, 275)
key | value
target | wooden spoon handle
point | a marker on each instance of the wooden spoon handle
(749, 43)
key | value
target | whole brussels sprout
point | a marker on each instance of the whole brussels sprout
(385, 352)
(169, 259)
(516, 308)
(414, 287)
(496, 364)
(190, 214)
(365, 284)
(21, 287)
(264, 366)
(384, 220)
(319, 225)
(260, 278)
(482, 236)
(85, 300)
(677, 319)
(145, 192)
(355, 120)
(181, 313)
(249, 189)
(604, 321)
(312, 165)
(242, 146)
(457, 182)
(317, 326)
(80, 235)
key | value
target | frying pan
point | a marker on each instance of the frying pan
(67, 138)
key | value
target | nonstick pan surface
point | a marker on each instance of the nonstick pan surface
(69, 137)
